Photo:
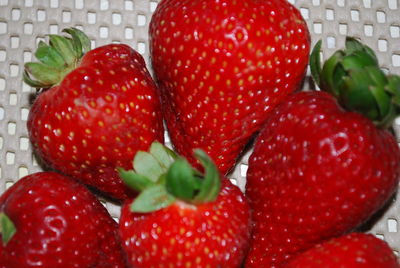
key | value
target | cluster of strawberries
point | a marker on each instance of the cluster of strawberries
(226, 75)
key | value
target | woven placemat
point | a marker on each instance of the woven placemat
(23, 23)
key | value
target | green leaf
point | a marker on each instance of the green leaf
(45, 74)
(211, 183)
(31, 82)
(382, 97)
(81, 40)
(147, 165)
(315, 63)
(152, 199)
(65, 47)
(181, 181)
(162, 154)
(387, 121)
(327, 73)
(7, 228)
(49, 56)
(393, 87)
(358, 59)
(356, 94)
(353, 45)
(133, 180)
(378, 77)
(383, 101)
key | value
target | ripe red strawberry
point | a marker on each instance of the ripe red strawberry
(355, 250)
(49, 220)
(96, 109)
(222, 66)
(182, 218)
(317, 169)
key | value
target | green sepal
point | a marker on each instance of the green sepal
(356, 96)
(181, 181)
(353, 45)
(315, 63)
(147, 165)
(133, 180)
(151, 199)
(382, 97)
(49, 56)
(211, 184)
(57, 59)
(7, 228)
(81, 42)
(393, 86)
(327, 77)
(45, 74)
(31, 82)
(162, 154)
(65, 47)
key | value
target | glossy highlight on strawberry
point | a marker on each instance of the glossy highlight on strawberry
(94, 119)
(222, 66)
(57, 222)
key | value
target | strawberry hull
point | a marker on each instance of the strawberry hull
(316, 172)
(222, 66)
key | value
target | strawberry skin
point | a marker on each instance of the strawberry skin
(355, 250)
(212, 234)
(59, 223)
(222, 66)
(317, 171)
(97, 117)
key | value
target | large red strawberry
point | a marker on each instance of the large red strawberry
(182, 218)
(222, 65)
(49, 220)
(97, 108)
(319, 170)
(355, 250)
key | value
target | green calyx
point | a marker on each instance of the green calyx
(56, 59)
(353, 76)
(162, 177)
(7, 228)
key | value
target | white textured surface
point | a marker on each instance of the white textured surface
(24, 22)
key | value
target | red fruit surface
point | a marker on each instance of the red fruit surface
(97, 118)
(59, 223)
(317, 171)
(222, 66)
(355, 250)
(212, 234)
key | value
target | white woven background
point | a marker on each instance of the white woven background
(24, 22)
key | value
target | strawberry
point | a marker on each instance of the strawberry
(182, 218)
(49, 220)
(355, 250)
(222, 66)
(95, 110)
(319, 168)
